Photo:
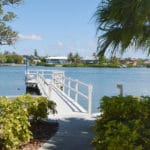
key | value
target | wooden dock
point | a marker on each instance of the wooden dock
(55, 86)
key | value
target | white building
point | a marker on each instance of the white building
(56, 60)
(90, 59)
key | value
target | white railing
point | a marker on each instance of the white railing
(67, 85)
(72, 85)
(46, 87)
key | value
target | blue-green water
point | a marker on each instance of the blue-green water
(104, 80)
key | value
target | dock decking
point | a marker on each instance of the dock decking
(55, 86)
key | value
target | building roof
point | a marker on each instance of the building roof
(57, 57)
(89, 58)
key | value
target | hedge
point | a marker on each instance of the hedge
(15, 115)
(124, 124)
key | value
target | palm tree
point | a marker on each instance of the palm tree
(77, 58)
(70, 57)
(121, 24)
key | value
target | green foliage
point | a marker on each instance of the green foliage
(123, 124)
(102, 59)
(35, 53)
(38, 107)
(15, 115)
(45, 64)
(7, 35)
(14, 124)
(70, 57)
(122, 24)
(148, 65)
(75, 65)
(13, 58)
(74, 58)
(92, 65)
(2, 58)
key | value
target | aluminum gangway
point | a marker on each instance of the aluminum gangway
(64, 91)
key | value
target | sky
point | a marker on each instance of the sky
(56, 28)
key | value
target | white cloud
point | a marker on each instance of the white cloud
(30, 37)
(60, 43)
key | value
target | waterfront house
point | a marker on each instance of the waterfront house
(56, 60)
(147, 62)
(132, 62)
(90, 60)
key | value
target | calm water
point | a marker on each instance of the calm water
(104, 80)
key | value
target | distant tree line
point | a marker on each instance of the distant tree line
(74, 58)
(8, 57)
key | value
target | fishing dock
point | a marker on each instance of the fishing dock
(64, 91)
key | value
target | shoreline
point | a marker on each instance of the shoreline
(11, 64)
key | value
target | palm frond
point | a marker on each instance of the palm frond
(124, 23)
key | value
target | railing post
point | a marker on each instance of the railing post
(76, 90)
(69, 86)
(63, 83)
(49, 91)
(37, 76)
(54, 78)
(90, 88)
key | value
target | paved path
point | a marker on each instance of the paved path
(74, 134)
(74, 131)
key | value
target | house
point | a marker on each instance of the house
(147, 62)
(132, 62)
(90, 60)
(56, 60)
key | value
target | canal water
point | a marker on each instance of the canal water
(104, 80)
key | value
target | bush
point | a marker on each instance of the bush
(123, 124)
(14, 124)
(14, 118)
(38, 107)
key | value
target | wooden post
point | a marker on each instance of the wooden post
(120, 87)
(76, 91)
(69, 87)
(90, 88)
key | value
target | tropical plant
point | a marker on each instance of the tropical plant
(14, 124)
(122, 24)
(38, 107)
(74, 58)
(7, 35)
(102, 59)
(15, 115)
(77, 58)
(70, 58)
(35, 53)
(2, 58)
(123, 124)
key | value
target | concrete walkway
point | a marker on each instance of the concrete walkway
(75, 123)
(74, 133)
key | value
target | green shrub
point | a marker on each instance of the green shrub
(41, 108)
(38, 107)
(123, 124)
(14, 118)
(14, 124)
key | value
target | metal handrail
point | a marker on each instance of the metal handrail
(60, 81)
